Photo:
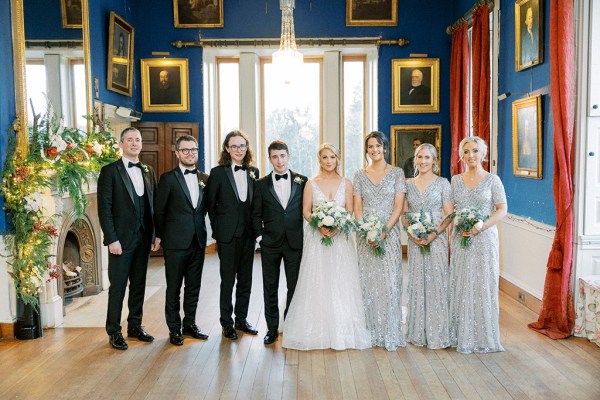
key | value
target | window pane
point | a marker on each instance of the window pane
(36, 89)
(79, 100)
(229, 97)
(354, 111)
(292, 113)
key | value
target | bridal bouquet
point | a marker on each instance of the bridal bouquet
(420, 225)
(370, 227)
(331, 216)
(465, 220)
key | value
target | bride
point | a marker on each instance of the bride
(327, 309)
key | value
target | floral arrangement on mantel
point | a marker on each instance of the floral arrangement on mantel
(59, 158)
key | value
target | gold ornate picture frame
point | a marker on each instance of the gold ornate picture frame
(527, 137)
(120, 55)
(198, 14)
(370, 13)
(529, 35)
(71, 12)
(416, 85)
(165, 85)
(402, 138)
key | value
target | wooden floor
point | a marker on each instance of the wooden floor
(78, 363)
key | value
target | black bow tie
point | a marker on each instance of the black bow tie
(278, 177)
(138, 164)
(237, 168)
(190, 171)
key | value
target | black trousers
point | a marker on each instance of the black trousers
(236, 258)
(131, 266)
(271, 268)
(183, 265)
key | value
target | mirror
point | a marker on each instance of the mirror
(52, 56)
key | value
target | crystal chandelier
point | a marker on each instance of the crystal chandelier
(287, 58)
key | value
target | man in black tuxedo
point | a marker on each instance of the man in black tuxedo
(277, 221)
(125, 210)
(179, 211)
(416, 93)
(229, 201)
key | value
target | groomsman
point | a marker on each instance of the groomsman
(179, 211)
(125, 210)
(277, 221)
(229, 201)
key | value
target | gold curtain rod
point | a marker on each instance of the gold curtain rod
(468, 17)
(311, 42)
(48, 44)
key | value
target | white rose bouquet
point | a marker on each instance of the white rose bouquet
(420, 225)
(333, 217)
(465, 220)
(370, 227)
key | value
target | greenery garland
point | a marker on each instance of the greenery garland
(61, 158)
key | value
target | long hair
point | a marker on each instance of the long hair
(434, 154)
(381, 139)
(225, 158)
(481, 145)
(336, 153)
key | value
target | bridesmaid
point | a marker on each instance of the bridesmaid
(428, 273)
(380, 189)
(475, 270)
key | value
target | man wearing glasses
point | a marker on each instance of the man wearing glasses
(229, 200)
(179, 212)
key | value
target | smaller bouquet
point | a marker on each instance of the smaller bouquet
(329, 215)
(465, 220)
(370, 227)
(420, 225)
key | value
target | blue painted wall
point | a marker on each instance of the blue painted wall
(43, 21)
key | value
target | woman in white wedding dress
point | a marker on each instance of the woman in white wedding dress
(327, 309)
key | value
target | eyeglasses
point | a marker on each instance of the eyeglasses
(236, 147)
(189, 151)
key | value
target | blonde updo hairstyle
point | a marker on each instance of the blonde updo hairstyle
(434, 154)
(336, 153)
(481, 145)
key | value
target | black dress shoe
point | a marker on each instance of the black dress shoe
(229, 332)
(271, 337)
(117, 341)
(194, 332)
(245, 327)
(140, 334)
(176, 338)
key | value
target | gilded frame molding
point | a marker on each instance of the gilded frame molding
(191, 9)
(401, 83)
(527, 140)
(119, 73)
(402, 136)
(179, 78)
(525, 54)
(354, 17)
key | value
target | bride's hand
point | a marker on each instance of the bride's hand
(383, 236)
(327, 232)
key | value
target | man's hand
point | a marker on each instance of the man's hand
(115, 248)
(155, 245)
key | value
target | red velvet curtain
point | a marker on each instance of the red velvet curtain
(480, 94)
(459, 74)
(557, 317)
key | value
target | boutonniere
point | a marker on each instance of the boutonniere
(144, 168)
(299, 180)
(252, 175)
(201, 184)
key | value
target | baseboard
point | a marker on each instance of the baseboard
(523, 297)
(7, 330)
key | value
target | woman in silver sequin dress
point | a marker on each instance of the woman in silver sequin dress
(475, 270)
(380, 189)
(428, 194)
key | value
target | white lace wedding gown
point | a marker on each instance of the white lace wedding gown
(327, 309)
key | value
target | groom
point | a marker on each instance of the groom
(277, 223)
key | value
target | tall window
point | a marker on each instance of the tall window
(229, 96)
(36, 88)
(354, 113)
(79, 103)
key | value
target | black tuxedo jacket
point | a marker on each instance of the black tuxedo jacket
(271, 220)
(116, 204)
(175, 217)
(223, 201)
(420, 95)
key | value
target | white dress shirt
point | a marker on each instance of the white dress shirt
(135, 174)
(241, 182)
(282, 187)
(191, 180)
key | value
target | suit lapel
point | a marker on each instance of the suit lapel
(272, 188)
(126, 180)
(294, 188)
(229, 174)
(183, 184)
(250, 184)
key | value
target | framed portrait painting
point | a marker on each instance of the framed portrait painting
(198, 13)
(529, 34)
(406, 138)
(527, 137)
(71, 13)
(371, 13)
(416, 85)
(120, 55)
(165, 85)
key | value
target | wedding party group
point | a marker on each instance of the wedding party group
(338, 240)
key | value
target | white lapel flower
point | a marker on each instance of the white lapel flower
(201, 184)
(145, 168)
(298, 180)
(252, 175)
